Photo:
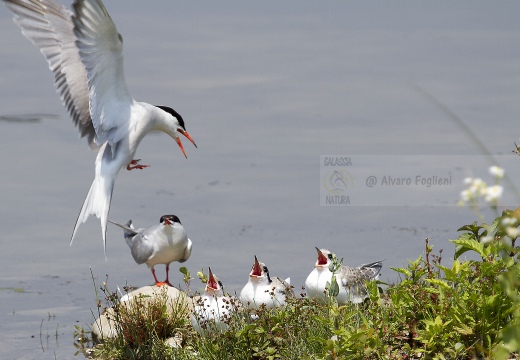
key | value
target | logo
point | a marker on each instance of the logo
(337, 181)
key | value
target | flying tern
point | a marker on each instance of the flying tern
(163, 243)
(351, 280)
(85, 52)
(262, 289)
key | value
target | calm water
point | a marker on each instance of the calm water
(265, 89)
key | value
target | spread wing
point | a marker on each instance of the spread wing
(101, 50)
(49, 26)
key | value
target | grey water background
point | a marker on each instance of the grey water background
(265, 89)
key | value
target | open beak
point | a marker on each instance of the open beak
(256, 271)
(182, 147)
(185, 133)
(322, 259)
(212, 282)
(167, 221)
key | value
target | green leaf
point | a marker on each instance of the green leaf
(494, 225)
(203, 277)
(490, 300)
(334, 287)
(404, 271)
(455, 267)
(464, 245)
(184, 270)
(464, 330)
(511, 336)
(439, 283)
(473, 228)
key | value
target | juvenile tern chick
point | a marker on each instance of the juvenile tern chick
(351, 280)
(85, 53)
(163, 243)
(212, 309)
(262, 289)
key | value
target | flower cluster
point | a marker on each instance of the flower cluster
(478, 189)
(511, 227)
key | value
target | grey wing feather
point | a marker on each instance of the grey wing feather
(101, 50)
(49, 26)
(140, 249)
(372, 270)
(354, 276)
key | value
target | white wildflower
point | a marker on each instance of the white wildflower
(486, 239)
(493, 193)
(513, 232)
(478, 188)
(508, 221)
(497, 172)
(478, 182)
(466, 195)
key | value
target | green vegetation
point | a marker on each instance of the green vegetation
(468, 310)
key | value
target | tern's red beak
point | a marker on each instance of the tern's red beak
(256, 271)
(322, 259)
(185, 133)
(167, 221)
(212, 282)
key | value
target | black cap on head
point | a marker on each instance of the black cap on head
(172, 218)
(173, 113)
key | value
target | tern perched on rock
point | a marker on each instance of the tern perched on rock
(351, 280)
(85, 52)
(163, 243)
(212, 309)
(262, 289)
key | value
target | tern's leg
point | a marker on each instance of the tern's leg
(160, 283)
(167, 274)
(157, 282)
(134, 164)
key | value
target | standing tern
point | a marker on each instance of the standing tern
(351, 280)
(262, 289)
(85, 53)
(163, 243)
(213, 309)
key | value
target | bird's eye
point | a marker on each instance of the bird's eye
(220, 283)
(329, 256)
(265, 269)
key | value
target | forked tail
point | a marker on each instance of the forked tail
(96, 203)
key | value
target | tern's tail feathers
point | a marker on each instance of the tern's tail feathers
(96, 203)
(129, 230)
(374, 267)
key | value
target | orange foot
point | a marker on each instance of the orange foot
(163, 283)
(134, 164)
